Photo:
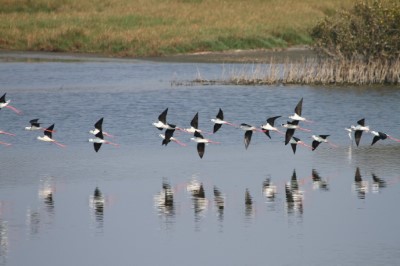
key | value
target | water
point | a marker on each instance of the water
(144, 204)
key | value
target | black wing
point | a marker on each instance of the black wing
(163, 116)
(247, 138)
(267, 133)
(99, 124)
(271, 120)
(294, 145)
(289, 135)
(220, 114)
(48, 132)
(200, 149)
(357, 136)
(299, 107)
(99, 135)
(324, 136)
(375, 139)
(3, 98)
(96, 146)
(315, 144)
(35, 122)
(195, 121)
(217, 127)
(169, 133)
(198, 135)
(361, 122)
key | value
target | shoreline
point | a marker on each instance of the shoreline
(293, 54)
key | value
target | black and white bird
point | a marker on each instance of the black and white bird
(317, 139)
(35, 125)
(6, 104)
(269, 126)
(248, 133)
(165, 142)
(359, 129)
(194, 125)
(381, 136)
(98, 127)
(162, 121)
(219, 121)
(201, 143)
(294, 141)
(297, 113)
(48, 136)
(99, 140)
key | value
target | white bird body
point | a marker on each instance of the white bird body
(360, 128)
(319, 139)
(45, 138)
(31, 128)
(4, 104)
(297, 117)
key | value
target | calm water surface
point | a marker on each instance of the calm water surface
(144, 204)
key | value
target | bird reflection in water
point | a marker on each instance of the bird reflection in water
(4, 242)
(294, 196)
(219, 201)
(96, 203)
(46, 193)
(269, 190)
(248, 201)
(377, 183)
(318, 182)
(360, 186)
(164, 200)
(199, 200)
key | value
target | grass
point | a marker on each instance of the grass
(311, 72)
(158, 27)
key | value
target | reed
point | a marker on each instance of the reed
(312, 72)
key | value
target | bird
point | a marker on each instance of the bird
(269, 126)
(48, 136)
(294, 141)
(219, 121)
(194, 125)
(6, 104)
(98, 126)
(359, 129)
(297, 112)
(99, 140)
(170, 139)
(291, 126)
(162, 121)
(381, 136)
(248, 133)
(35, 125)
(319, 139)
(168, 135)
(201, 142)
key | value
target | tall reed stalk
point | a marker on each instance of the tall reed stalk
(313, 72)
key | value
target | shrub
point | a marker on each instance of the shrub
(369, 31)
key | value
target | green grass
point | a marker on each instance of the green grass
(158, 27)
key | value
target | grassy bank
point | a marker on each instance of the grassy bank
(158, 27)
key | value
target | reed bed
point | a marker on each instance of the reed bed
(311, 72)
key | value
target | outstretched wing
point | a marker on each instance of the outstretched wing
(195, 121)
(247, 138)
(99, 124)
(299, 107)
(163, 116)
(271, 120)
(48, 132)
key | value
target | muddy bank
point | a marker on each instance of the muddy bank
(293, 54)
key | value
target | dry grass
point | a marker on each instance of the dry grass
(155, 27)
(312, 72)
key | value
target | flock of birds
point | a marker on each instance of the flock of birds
(269, 126)
(167, 137)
